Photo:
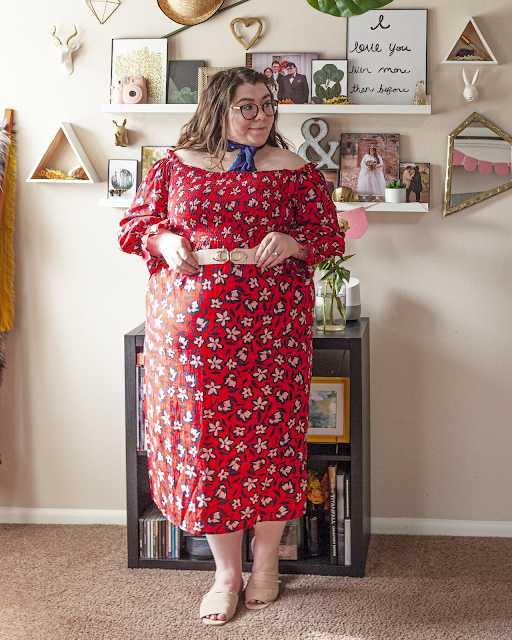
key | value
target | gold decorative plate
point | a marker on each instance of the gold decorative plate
(189, 12)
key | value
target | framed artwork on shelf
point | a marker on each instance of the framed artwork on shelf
(182, 81)
(291, 73)
(329, 80)
(149, 156)
(368, 162)
(332, 177)
(416, 177)
(122, 179)
(329, 410)
(145, 57)
(387, 55)
(204, 74)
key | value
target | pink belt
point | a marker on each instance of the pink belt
(221, 256)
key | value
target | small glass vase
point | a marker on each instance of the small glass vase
(330, 307)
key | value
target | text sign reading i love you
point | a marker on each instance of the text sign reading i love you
(387, 55)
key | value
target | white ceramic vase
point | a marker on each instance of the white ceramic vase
(395, 195)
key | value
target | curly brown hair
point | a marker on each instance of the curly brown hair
(207, 130)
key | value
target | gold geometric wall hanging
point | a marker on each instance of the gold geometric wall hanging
(102, 9)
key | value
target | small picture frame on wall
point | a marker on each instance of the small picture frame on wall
(290, 72)
(150, 155)
(329, 80)
(146, 57)
(122, 179)
(204, 75)
(329, 409)
(182, 81)
(416, 177)
(368, 162)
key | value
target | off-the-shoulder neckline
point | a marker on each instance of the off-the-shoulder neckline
(307, 167)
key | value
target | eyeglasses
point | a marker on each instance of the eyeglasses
(250, 111)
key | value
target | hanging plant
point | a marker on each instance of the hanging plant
(347, 8)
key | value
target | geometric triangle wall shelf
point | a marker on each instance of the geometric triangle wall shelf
(65, 135)
(102, 9)
(470, 38)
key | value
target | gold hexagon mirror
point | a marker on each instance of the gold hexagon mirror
(479, 163)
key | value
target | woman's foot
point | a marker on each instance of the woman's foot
(224, 596)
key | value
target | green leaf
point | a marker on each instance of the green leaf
(320, 91)
(320, 76)
(347, 8)
(330, 70)
(336, 90)
(337, 75)
(317, 100)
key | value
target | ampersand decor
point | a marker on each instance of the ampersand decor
(312, 141)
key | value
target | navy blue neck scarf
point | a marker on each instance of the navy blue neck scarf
(245, 159)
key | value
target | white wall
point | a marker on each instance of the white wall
(437, 290)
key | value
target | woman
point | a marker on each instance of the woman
(416, 185)
(230, 225)
(273, 84)
(371, 180)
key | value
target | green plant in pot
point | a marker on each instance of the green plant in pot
(327, 83)
(396, 191)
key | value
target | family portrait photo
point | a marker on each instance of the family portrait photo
(416, 177)
(290, 74)
(368, 162)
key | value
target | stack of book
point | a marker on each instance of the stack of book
(158, 538)
(141, 419)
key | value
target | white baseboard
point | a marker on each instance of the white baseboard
(19, 515)
(430, 527)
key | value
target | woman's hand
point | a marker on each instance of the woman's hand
(276, 247)
(176, 252)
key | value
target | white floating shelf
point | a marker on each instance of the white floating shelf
(311, 109)
(114, 203)
(407, 207)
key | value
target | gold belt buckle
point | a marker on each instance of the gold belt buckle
(230, 256)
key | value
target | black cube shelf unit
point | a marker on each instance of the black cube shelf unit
(345, 354)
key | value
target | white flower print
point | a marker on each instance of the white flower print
(225, 443)
(215, 363)
(222, 317)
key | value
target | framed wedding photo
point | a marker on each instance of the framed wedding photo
(329, 409)
(416, 177)
(122, 179)
(368, 162)
(290, 73)
(149, 156)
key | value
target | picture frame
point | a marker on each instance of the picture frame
(329, 410)
(365, 171)
(387, 55)
(332, 177)
(145, 57)
(297, 92)
(326, 82)
(423, 168)
(183, 80)
(122, 179)
(204, 73)
(150, 155)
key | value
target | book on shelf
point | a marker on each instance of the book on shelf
(340, 514)
(348, 522)
(158, 537)
(333, 534)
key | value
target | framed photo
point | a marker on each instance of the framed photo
(387, 55)
(329, 408)
(149, 156)
(332, 177)
(416, 177)
(182, 81)
(368, 162)
(291, 73)
(204, 75)
(145, 57)
(329, 80)
(122, 179)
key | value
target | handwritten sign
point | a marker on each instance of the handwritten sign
(387, 55)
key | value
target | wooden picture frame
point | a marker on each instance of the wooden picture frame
(329, 410)
(204, 74)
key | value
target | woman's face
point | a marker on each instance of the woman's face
(268, 72)
(373, 152)
(250, 132)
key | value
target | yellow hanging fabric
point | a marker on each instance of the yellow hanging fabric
(7, 243)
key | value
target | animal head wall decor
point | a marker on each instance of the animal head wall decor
(470, 91)
(121, 134)
(64, 52)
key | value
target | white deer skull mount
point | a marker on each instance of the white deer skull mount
(64, 52)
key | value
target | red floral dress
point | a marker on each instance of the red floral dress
(228, 351)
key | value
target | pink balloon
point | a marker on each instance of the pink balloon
(485, 168)
(357, 222)
(470, 164)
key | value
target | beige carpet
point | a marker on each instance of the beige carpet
(71, 582)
